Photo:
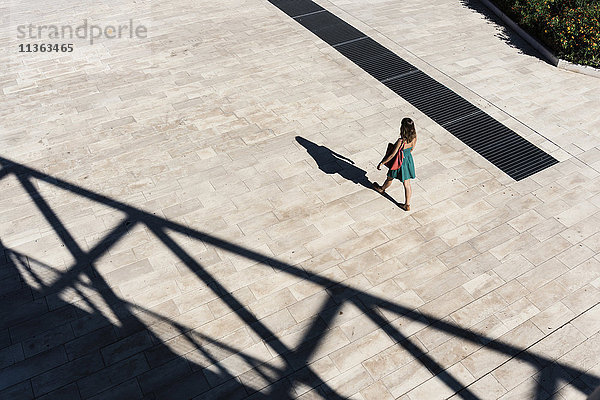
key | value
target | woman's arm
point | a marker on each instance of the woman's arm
(414, 146)
(392, 154)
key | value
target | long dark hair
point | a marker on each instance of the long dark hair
(407, 130)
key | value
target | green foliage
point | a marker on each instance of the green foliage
(570, 28)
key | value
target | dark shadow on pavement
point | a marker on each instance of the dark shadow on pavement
(331, 162)
(71, 349)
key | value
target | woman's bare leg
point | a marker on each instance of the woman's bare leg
(407, 192)
(381, 189)
(387, 183)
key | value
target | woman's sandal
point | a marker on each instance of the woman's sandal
(405, 207)
(378, 188)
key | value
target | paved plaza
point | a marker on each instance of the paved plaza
(187, 214)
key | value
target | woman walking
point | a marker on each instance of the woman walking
(400, 161)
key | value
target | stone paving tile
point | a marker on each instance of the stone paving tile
(451, 278)
(129, 389)
(449, 354)
(483, 284)
(360, 349)
(113, 375)
(487, 387)
(65, 392)
(211, 145)
(479, 309)
(57, 377)
(10, 355)
(406, 378)
(32, 366)
(376, 391)
(19, 391)
(553, 317)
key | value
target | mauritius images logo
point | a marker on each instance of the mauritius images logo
(91, 32)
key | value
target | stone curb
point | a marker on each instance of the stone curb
(547, 54)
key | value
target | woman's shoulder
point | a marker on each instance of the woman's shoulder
(410, 144)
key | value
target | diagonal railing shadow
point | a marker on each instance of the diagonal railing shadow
(302, 354)
(85, 261)
(191, 336)
(259, 328)
(126, 312)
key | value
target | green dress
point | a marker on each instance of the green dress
(407, 170)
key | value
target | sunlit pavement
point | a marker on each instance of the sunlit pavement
(176, 220)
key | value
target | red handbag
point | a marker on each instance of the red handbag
(396, 162)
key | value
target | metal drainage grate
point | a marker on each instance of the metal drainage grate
(375, 59)
(431, 97)
(294, 8)
(329, 27)
(501, 146)
(508, 151)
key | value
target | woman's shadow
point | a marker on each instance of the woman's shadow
(331, 162)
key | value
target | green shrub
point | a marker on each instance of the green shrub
(569, 28)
